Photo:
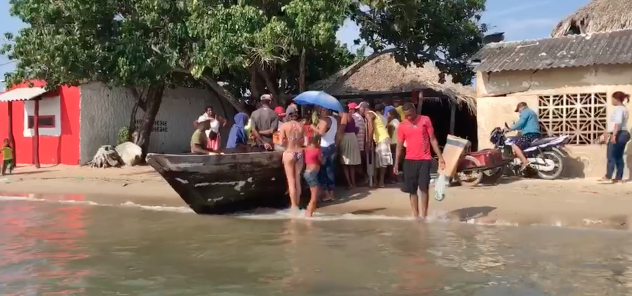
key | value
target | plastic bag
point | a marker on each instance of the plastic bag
(441, 183)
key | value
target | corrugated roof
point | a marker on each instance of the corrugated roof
(22, 94)
(606, 48)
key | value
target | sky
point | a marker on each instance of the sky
(518, 19)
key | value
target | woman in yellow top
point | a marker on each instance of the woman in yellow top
(7, 157)
(375, 126)
(399, 110)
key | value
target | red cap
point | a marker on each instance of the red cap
(279, 111)
(352, 105)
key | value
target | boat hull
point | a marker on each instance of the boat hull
(217, 184)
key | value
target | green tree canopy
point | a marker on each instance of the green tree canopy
(447, 32)
(150, 44)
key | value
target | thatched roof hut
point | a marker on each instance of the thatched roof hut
(596, 16)
(381, 74)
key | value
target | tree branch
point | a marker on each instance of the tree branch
(217, 88)
(138, 97)
(272, 87)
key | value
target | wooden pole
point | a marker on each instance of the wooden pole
(420, 102)
(452, 117)
(36, 134)
(10, 129)
(301, 72)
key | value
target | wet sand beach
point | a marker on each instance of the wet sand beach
(572, 203)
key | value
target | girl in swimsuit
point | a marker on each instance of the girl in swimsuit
(293, 133)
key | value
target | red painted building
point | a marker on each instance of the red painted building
(75, 121)
(58, 123)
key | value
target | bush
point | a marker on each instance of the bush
(123, 135)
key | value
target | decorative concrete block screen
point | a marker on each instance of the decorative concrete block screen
(583, 116)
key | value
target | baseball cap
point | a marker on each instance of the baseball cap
(363, 104)
(266, 97)
(352, 105)
(279, 111)
(520, 105)
(291, 112)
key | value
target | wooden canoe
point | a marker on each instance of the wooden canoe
(216, 184)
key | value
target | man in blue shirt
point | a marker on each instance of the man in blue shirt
(388, 105)
(529, 126)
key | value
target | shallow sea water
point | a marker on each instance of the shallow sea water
(51, 248)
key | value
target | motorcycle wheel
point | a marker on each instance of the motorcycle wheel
(492, 176)
(471, 178)
(558, 161)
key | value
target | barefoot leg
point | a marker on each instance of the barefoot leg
(290, 174)
(311, 207)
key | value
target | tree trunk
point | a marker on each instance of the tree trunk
(153, 99)
(254, 88)
(218, 89)
(138, 97)
(301, 73)
(270, 85)
(139, 103)
(283, 84)
(223, 93)
(131, 127)
(260, 84)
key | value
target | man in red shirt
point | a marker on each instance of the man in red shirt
(418, 133)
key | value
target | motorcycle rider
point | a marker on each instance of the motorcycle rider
(529, 126)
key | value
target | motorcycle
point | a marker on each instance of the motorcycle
(545, 155)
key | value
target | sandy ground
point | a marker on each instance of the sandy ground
(573, 203)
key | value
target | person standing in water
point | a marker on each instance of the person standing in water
(313, 159)
(293, 135)
(418, 132)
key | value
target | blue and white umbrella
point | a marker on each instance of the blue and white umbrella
(319, 98)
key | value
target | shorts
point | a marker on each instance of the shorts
(383, 156)
(416, 176)
(525, 140)
(311, 178)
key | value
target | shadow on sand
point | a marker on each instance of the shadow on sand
(18, 173)
(468, 213)
(342, 196)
